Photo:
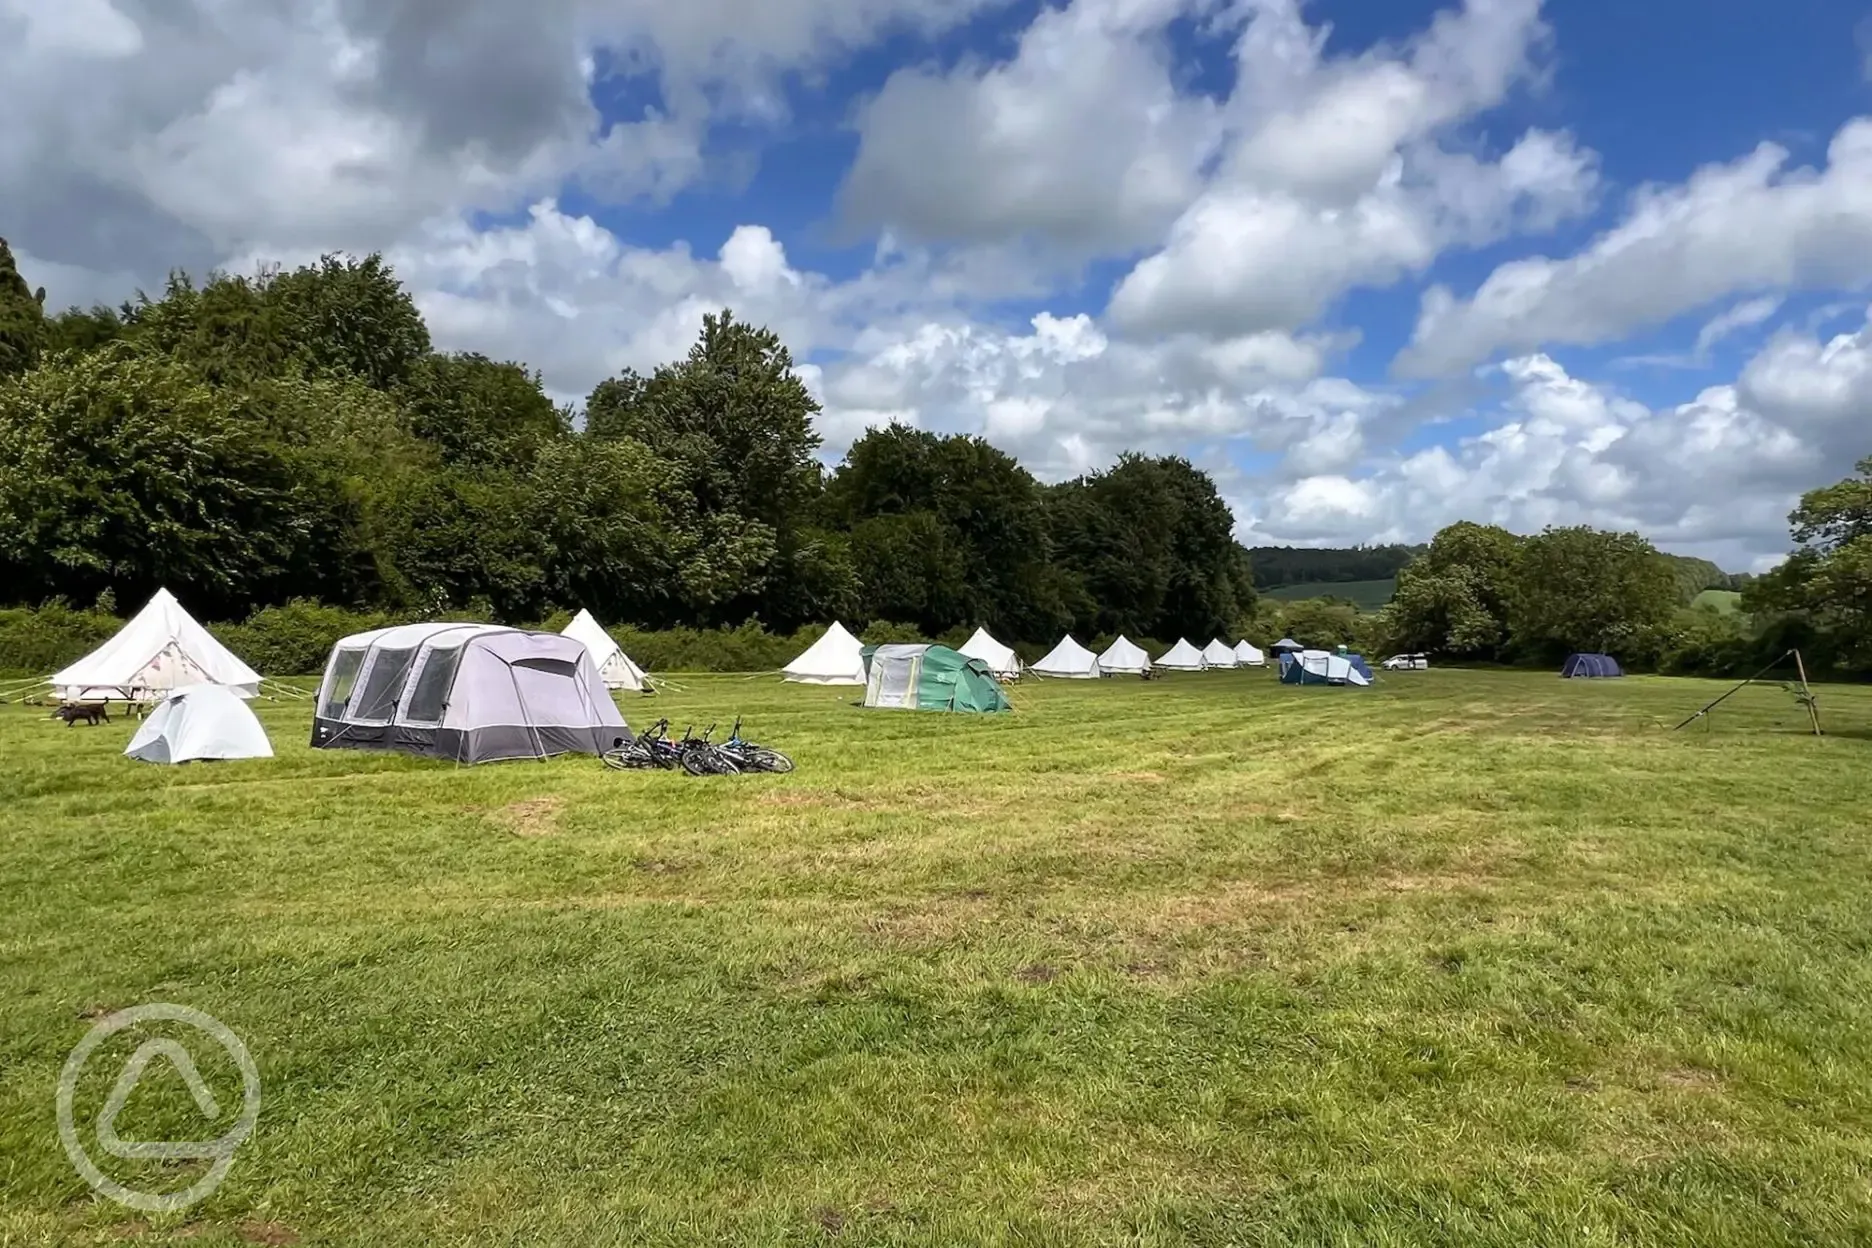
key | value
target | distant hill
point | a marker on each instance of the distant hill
(1365, 595)
(1277, 566)
(1727, 601)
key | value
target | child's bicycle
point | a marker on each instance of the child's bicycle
(751, 757)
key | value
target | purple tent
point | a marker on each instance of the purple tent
(1593, 665)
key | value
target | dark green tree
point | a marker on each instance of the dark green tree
(1454, 598)
(1585, 589)
(22, 317)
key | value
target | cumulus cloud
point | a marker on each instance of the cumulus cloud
(1335, 174)
(1752, 224)
(1715, 475)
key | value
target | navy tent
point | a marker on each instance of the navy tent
(1591, 665)
(1359, 665)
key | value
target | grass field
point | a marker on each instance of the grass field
(1727, 601)
(1465, 958)
(1366, 595)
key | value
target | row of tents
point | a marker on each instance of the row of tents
(838, 658)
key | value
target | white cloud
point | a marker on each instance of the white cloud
(1745, 315)
(1753, 224)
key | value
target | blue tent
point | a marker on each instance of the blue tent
(1359, 665)
(1599, 665)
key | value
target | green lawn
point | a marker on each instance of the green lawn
(1465, 958)
(1366, 595)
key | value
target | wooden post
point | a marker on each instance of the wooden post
(1812, 703)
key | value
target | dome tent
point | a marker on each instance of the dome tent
(1001, 660)
(1124, 657)
(1248, 655)
(1069, 660)
(1181, 657)
(835, 659)
(929, 678)
(199, 722)
(474, 693)
(159, 649)
(1599, 666)
(1219, 653)
(614, 666)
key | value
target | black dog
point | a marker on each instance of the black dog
(91, 714)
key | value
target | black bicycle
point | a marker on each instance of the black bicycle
(702, 757)
(751, 757)
(651, 751)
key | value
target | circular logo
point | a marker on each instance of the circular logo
(219, 1152)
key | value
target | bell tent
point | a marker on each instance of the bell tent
(837, 658)
(1181, 657)
(1124, 657)
(1070, 660)
(473, 693)
(161, 648)
(1219, 653)
(929, 678)
(1249, 656)
(614, 666)
(1591, 665)
(1316, 667)
(200, 722)
(1002, 662)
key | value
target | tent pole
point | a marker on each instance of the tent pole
(1741, 685)
(1808, 699)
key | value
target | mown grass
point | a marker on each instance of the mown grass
(1477, 958)
(1365, 595)
(1725, 601)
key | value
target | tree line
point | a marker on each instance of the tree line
(250, 440)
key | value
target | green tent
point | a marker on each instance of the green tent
(929, 678)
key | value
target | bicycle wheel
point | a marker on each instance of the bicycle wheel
(764, 759)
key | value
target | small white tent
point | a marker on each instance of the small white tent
(1070, 660)
(1124, 657)
(1220, 654)
(161, 648)
(835, 659)
(197, 722)
(1002, 662)
(1247, 655)
(1181, 657)
(614, 666)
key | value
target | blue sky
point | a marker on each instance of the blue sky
(1300, 242)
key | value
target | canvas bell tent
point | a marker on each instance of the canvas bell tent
(1124, 657)
(199, 722)
(161, 648)
(1001, 660)
(1316, 667)
(1249, 656)
(929, 678)
(472, 693)
(1219, 653)
(1598, 666)
(837, 658)
(614, 666)
(1181, 657)
(1068, 660)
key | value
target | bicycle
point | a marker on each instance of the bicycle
(701, 757)
(752, 757)
(651, 751)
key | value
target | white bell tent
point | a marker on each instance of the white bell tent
(1247, 655)
(1124, 657)
(1181, 657)
(200, 722)
(1002, 662)
(835, 659)
(614, 666)
(161, 648)
(1219, 653)
(1069, 660)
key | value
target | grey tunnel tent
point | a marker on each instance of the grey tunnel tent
(473, 693)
